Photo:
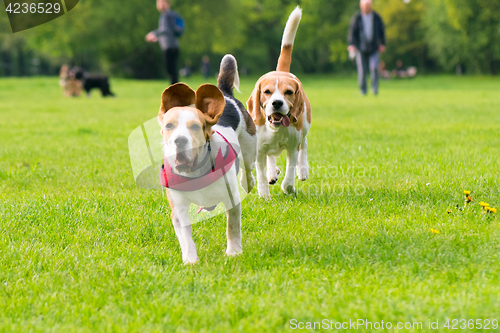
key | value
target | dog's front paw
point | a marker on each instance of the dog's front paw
(302, 173)
(288, 189)
(233, 251)
(264, 191)
(190, 259)
(273, 175)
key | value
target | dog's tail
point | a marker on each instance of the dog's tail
(292, 24)
(228, 75)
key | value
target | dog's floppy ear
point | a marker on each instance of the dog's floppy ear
(298, 104)
(254, 107)
(210, 101)
(178, 94)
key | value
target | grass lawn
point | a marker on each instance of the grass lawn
(82, 248)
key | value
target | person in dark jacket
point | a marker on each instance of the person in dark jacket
(165, 35)
(367, 40)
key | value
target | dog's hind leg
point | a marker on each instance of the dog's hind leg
(248, 145)
(234, 231)
(272, 170)
(302, 166)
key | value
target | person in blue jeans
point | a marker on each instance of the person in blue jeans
(165, 35)
(367, 39)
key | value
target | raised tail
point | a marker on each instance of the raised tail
(292, 24)
(228, 75)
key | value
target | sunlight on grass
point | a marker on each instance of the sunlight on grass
(375, 233)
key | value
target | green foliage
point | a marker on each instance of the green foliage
(109, 35)
(468, 34)
(405, 32)
(83, 249)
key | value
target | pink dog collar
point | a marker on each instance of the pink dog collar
(180, 183)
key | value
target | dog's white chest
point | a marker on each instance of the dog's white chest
(273, 142)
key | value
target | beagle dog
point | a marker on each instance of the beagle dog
(282, 113)
(203, 132)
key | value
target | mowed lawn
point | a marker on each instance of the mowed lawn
(83, 249)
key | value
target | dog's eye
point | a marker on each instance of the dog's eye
(267, 92)
(169, 126)
(288, 92)
(195, 128)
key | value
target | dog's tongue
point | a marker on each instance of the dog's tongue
(285, 121)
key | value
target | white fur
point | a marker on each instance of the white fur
(291, 27)
(169, 148)
(271, 142)
(219, 191)
(229, 100)
(236, 83)
(276, 96)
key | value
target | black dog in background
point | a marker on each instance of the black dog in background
(91, 81)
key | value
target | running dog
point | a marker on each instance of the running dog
(203, 132)
(282, 113)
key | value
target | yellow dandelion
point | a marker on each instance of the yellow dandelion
(491, 210)
(467, 193)
(484, 204)
(434, 231)
(469, 199)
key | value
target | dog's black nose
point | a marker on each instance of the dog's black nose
(277, 104)
(181, 141)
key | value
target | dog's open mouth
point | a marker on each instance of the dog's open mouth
(182, 164)
(278, 119)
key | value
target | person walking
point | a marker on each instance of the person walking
(367, 40)
(167, 36)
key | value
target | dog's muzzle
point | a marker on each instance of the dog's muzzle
(278, 119)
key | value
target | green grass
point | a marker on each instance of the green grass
(83, 249)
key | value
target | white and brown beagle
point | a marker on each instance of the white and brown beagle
(282, 113)
(203, 132)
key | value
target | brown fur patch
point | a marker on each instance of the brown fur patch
(211, 103)
(285, 59)
(178, 94)
(208, 100)
(250, 126)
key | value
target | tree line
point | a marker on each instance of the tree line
(108, 36)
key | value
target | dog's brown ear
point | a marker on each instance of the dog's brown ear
(210, 101)
(254, 107)
(298, 104)
(178, 94)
